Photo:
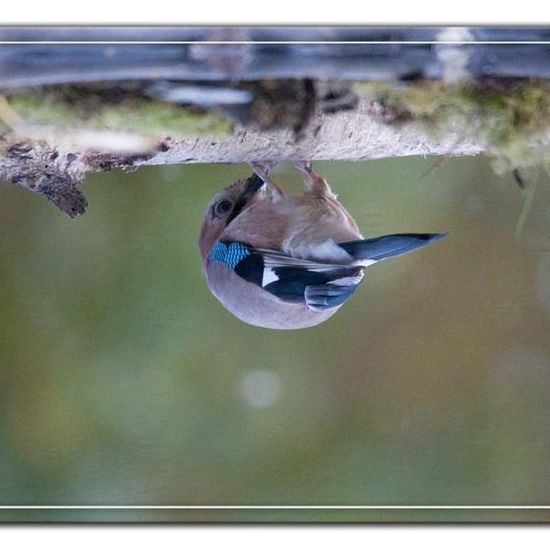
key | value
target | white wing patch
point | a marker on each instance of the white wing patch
(269, 276)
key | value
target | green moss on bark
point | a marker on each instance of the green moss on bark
(510, 118)
(73, 109)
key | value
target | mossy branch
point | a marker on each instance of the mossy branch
(54, 137)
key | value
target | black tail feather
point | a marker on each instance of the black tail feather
(389, 246)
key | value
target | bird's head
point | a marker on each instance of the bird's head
(225, 207)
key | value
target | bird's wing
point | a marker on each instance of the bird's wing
(319, 285)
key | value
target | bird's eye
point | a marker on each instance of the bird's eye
(222, 207)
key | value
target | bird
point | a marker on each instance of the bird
(282, 261)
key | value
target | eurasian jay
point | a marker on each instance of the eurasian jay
(282, 261)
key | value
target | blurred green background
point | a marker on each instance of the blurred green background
(123, 381)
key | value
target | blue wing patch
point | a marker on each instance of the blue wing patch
(230, 254)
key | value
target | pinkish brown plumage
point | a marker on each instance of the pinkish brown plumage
(282, 261)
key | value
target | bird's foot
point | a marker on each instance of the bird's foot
(263, 170)
(304, 166)
(315, 182)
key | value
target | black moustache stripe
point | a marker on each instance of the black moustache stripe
(253, 185)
